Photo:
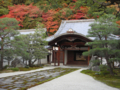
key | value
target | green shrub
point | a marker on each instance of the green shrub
(86, 71)
(95, 62)
(104, 72)
(14, 69)
(36, 65)
(26, 66)
(103, 67)
(5, 67)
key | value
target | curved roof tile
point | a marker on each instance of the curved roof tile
(79, 26)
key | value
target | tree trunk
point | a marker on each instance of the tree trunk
(8, 62)
(1, 59)
(110, 67)
(30, 63)
(1, 62)
(108, 63)
(23, 61)
(26, 62)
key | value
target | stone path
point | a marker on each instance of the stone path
(73, 81)
(29, 78)
(23, 72)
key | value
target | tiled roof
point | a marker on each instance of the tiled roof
(79, 26)
(28, 31)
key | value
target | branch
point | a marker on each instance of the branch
(34, 61)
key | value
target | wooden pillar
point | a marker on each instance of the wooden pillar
(58, 56)
(63, 55)
(54, 57)
(88, 56)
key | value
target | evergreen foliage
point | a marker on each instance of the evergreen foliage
(34, 49)
(97, 7)
(4, 7)
(105, 43)
(7, 32)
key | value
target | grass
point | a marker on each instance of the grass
(106, 78)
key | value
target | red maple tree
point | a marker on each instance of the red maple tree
(19, 12)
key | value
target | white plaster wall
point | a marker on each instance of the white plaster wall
(65, 57)
(43, 61)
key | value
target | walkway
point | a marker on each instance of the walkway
(73, 81)
(23, 72)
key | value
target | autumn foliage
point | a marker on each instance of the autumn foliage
(52, 18)
(19, 12)
(48, 12)
(28, 15)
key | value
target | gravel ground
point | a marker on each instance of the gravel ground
(73, 81)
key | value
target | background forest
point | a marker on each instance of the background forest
(51, 12)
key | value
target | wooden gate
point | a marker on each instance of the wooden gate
(61, 56)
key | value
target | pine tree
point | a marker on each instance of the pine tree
(20, 47)
(35, 43)
(105, 43)
(40, 43)
(8, 28)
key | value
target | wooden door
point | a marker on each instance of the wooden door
(61, 56)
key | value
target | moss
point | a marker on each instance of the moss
(25, 82)
(28, 69)
(14, 69)
(105, 77)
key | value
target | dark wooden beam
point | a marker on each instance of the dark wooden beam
(58, 39)
(73, 43)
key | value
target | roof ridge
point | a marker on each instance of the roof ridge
(81, 20)
(61, 28)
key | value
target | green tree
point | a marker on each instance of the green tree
(97, 7)
(4, 6)
(9, 55)
(35, 45)
(20, 47)
(18, 1)
(8, 28)
(39, 43)
(105, 43)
